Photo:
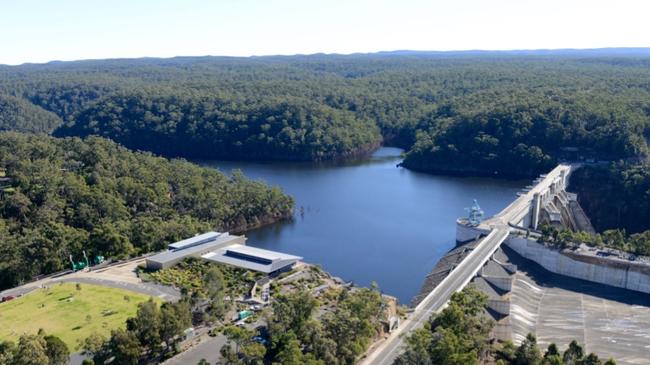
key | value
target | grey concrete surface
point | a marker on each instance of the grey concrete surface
(608, 321)
(208, 350)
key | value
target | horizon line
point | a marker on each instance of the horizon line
(414, 51)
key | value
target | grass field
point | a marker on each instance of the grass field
(71, 314)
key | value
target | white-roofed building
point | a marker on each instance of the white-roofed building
(196, 240)
(223, 248)
(252, 258)
(192, 247)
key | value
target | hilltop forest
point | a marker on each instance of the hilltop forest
(59, 196)
(513, 115)
(504, 114)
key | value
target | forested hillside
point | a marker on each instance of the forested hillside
(22, 116)
(196, 125)
(615, 197)
(470, 113)
(60, 196)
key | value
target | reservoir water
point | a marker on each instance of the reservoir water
(369, 220)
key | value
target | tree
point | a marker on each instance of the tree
(573, 354)
(238, 335)
(318, 343)
(57, 351)
(507, 352)
(591, 359)
(108, 238)
(229, 355)
(125, 347)
(528, 353)
(31, 350)
(291, 352)
(7, 349)
(552, 350)
(291, 312)
(448, 349)
(417, 348)
(124, 202)
(175, 318)
(553, 360)
(95, 346)
(253, 353)
(215, 287)
(552, 355)
(146, 325)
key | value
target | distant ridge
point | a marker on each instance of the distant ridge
(613, 51)
(562, 52)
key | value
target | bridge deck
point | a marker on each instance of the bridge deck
(438, 298)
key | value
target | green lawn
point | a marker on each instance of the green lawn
(71, 314)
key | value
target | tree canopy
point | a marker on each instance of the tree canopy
(61, 196)
(478, 114)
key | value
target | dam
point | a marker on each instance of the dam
(557, 294)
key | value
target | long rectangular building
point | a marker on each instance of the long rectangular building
(226, 249)
(192, 247)
(252, 258)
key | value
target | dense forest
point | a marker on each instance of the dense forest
(202, 126)
(615, 197)
(468, 113)
(464, 113)
(60, 196)
(22, 116)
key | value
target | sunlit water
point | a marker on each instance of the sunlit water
(370, 220)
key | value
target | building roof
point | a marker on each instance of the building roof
(171, 255)
(251, 258)
(196, 240)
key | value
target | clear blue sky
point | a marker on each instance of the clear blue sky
(44, 30)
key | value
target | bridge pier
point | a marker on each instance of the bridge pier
(537, 204)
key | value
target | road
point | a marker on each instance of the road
(386, 353)
(208, 350)
(119, 275)
(521, 205)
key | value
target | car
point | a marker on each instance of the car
(7, 298)
(260, 340)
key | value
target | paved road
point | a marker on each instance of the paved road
(521, 205)
(208, 349)
(436, 300)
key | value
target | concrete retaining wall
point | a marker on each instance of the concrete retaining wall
(554, 261)
(501, 306)
(501, 331)
(503, 283)
(465, 233)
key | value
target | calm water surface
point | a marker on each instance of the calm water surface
(370, 220)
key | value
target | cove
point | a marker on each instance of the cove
(369, 220)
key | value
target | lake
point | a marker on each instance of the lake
(370, 220)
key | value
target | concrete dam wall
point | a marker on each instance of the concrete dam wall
(626, 275)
